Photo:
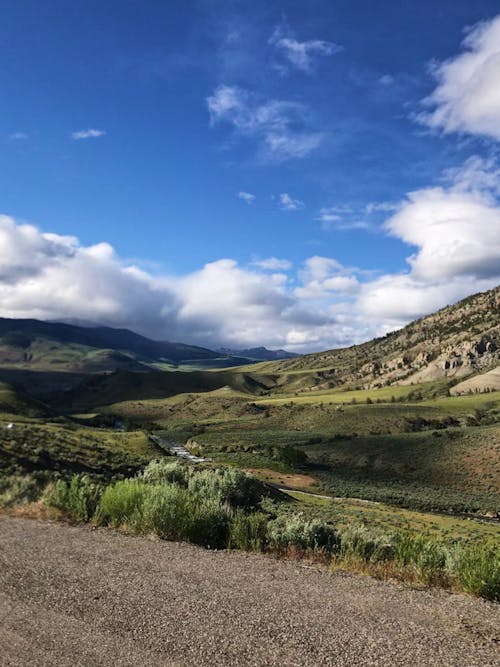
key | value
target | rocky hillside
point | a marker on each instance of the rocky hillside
(456, 342)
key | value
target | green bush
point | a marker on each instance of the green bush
(248, 532)
(164, 510)
(80, 498)
(477, 568)
(209, 524)
(366, 544)
(168, 510)
(227, 485)
(302, 533)
(121, 501)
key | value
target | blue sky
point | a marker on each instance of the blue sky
(241, 172)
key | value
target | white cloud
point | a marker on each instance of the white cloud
(52, 277)
(18, 136)
(87, 134)
(456, 230)
(273, 264)
(281, 127)
(288, 203)
(394, 300)
(302, 54)
(49, 276)
(329, 215)
(323, 277)
(467, 97)
(247, 197)
(453, 230)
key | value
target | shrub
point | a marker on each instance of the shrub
(164, 510)
(477, 568)
(425, 556)
(120, 501)
(209, 524)
(290, 455)
(80, 498)
(368, 545)
(16, 489)
(248, 532)
(227, 485)
(307, 534)
(165, 472)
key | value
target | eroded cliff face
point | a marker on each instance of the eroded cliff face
(456, 342)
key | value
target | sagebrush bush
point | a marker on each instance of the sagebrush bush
(306, 534)
(209, 524)
(227, 485)
(165, 510)
(368, 545)
(121, 501)
(424, 555)
(165, 472)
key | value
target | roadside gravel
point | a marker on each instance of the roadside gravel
(76, 596)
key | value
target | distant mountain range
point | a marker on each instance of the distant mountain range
(37, 345)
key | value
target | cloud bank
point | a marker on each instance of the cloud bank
(452, 231)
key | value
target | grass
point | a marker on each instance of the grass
(339, 396)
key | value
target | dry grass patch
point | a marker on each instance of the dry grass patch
(295, 480)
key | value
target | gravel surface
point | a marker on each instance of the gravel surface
(77, 596)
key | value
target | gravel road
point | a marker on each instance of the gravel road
(76, 596)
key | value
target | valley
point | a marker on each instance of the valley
(342, 442)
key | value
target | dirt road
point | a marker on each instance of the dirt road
(74, 596)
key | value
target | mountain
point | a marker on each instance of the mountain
(34, 344)
(259, 354)
(457, 342)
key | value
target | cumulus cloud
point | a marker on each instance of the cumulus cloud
(324, 277)
(452, 228)
(302, 55)
(281, 127)
(456, 230)
(247, 197)
(288, 203)
(467, 97)
(87, 134)
(54, 277)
